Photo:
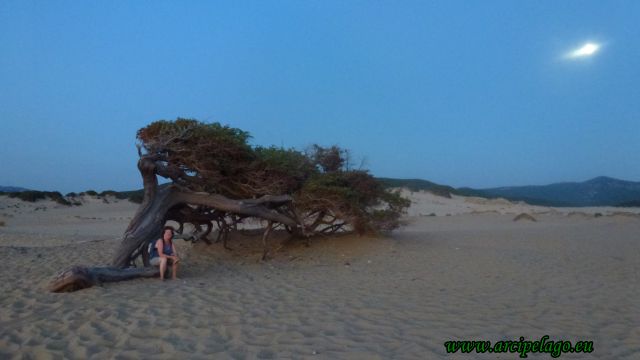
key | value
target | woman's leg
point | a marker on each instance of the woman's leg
(174, 270)
(163, 267)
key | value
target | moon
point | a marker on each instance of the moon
(586, 50)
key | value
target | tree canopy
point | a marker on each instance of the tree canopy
(218, 159)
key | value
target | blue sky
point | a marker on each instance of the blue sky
(465, 93)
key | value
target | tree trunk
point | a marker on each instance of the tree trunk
(148, 222)
(80, 277)
(150, 218)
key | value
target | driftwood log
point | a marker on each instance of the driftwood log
(80, 277)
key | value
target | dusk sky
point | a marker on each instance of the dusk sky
(463, 93)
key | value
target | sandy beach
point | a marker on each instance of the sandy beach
(459, 269)
(355, 180)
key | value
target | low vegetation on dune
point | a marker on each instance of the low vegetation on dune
(33, 196)
(524, 216)
(134, 196)
(72, 198)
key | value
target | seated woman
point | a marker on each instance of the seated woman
(164, 253)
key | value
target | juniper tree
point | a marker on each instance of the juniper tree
(217, 179)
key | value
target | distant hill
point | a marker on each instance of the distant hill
(11, 189)
(599, 191)
(633, 203)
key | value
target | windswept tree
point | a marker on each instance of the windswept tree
(217, 179)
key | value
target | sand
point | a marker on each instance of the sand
(475, 274)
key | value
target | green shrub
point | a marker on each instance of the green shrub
(136, 198)
(109, 192)
(33, 196)
(29, 196)
(58, 198)
(133, 195)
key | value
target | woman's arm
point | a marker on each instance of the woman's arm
(160, 249)
(173, 249)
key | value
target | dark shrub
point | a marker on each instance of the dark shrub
(109, 192)
(136, 198)
(29, 196)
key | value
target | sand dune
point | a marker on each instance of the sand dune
(476, 274)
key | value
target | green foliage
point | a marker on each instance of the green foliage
(218, 159)
(355, 196)
(29, 196)
(214, 152)
(288, 161)
(57, 197)
(33, 196)
(108, 192)
(395, 201)
(285, 170)
(136, 197)
(329, 159)
(190, 131)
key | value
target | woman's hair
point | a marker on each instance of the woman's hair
(173, 231)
